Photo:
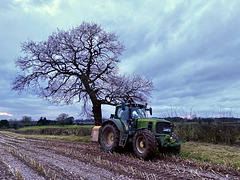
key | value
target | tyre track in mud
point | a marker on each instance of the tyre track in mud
(45, 159)
(32, 160)
(162, 166)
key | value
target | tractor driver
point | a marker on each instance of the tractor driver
(137, 113)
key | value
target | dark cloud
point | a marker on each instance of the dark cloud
(189, 48)
(193, 54)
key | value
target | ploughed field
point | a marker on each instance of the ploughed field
(28, 158)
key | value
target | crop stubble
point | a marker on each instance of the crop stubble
(52, 159)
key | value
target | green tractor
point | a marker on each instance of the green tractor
(130, 124)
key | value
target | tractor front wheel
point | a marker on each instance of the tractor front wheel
(109, 137)
(144, 144)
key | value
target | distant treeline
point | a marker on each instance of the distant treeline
(85, 122)
(62, 119)
(206, 120)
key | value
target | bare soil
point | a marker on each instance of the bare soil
(52, 159)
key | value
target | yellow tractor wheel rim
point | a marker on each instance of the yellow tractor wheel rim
(109, 138)
(141, 144)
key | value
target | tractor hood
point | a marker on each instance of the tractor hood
(152, 122)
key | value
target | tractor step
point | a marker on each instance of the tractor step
(123, 139)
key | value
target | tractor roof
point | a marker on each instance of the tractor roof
(134, 104)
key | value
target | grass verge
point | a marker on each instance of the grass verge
(55, 126)
(213, 153)
(65, 138)
(57, 131)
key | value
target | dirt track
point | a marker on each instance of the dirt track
(50, 159)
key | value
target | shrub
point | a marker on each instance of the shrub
(211, 133)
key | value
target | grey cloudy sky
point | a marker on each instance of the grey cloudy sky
(190, 49)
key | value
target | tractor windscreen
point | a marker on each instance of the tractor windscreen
(138, 113)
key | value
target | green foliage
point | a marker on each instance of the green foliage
(211, 133)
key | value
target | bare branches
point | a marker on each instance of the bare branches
(78, 65)
(80, 54)
(133, 86)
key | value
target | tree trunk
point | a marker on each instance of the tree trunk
(97, 112)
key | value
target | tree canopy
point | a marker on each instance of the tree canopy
(78, 65)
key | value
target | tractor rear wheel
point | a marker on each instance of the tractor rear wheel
(109, 137)
(144, 144)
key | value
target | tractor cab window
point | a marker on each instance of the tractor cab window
(138, 113)
(123, 114)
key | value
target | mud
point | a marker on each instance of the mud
(52, 159)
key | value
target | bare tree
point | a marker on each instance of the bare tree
(78, 65)
(62, 117)
(26, 121)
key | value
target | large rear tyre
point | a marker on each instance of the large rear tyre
(144, 144)
(109, 137)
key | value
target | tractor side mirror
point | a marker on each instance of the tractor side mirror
(123, 106)
(150, 110)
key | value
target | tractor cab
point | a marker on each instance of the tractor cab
(130, 112)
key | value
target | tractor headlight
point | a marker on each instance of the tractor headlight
(172, 139)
